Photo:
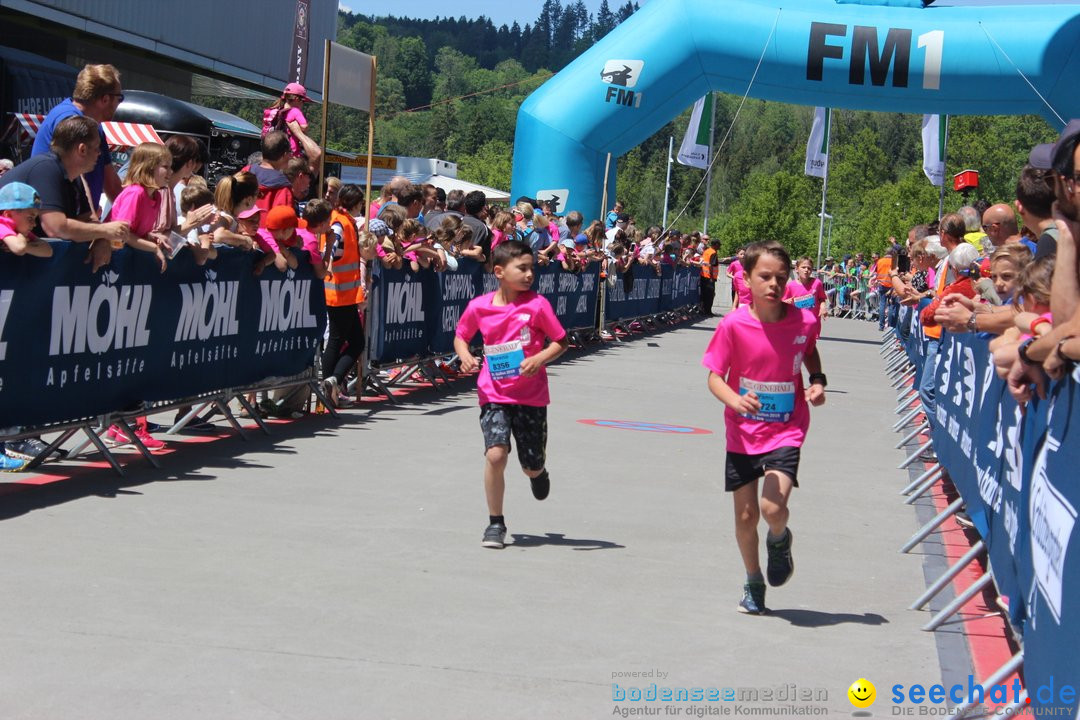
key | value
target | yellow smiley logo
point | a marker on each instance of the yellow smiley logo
(862, 693)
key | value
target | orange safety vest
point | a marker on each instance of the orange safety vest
(342, 282)
(934, 331)
(884, 267)
(708, 270)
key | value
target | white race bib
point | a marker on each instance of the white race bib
(777, 399)
(504, 361)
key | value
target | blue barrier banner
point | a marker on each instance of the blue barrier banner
(400, 303)
(573, 295)
(1052, 580)
(416, 314)
(75, 344)
(1016, 470)
(679, 287)
(452, 291)
(634, 296)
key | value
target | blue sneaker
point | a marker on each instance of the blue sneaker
(753, 602)
(11, 464)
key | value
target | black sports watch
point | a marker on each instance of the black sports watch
(1021, 351)
(819, 378)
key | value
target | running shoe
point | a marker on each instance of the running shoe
(541, 485)
(149, 441)
(330, 389)
(753, 601)
(495, 536)
(11, 464)
(781, 565)
(26, 449)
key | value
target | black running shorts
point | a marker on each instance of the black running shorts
(744, 469)
(528, 425)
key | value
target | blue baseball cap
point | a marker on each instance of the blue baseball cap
(379, 228)
(581, 239)
(19, 196)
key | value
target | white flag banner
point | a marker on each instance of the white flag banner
(933, 149)
(694, 150)
(350, 78)
(817, 147)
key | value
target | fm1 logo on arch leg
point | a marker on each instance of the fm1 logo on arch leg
(621, 76)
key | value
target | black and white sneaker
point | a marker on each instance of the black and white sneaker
(495, 536)
(753, 602)
(781, 566)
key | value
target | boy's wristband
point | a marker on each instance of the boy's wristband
(819, 379)
(1037, 322)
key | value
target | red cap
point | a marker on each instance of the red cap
(281, 217)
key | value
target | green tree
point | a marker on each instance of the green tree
(490, 165)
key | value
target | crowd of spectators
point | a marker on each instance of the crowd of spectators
(159, 204)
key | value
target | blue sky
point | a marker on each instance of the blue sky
(500, 11)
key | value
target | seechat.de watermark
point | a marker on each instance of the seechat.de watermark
(1003, 700)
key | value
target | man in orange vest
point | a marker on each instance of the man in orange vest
(883, 271)
(344, 294)
(952, 230)
(710, 271)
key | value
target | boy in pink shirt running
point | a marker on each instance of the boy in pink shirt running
(755, 361)
(513, 323)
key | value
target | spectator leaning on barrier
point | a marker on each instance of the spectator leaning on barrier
(473, 206)
(234, 198)
(298, 173)
(952, 232)
(275, 239)
(139, 203)
(19, 207)
(1035, 202)
(65, 209)
(455, 202)
(1058, 349)
(97, 94)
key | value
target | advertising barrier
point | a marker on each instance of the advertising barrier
(416, 314)
(1017, 474)
(75, 344)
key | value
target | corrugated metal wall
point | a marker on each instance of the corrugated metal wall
(253, 36)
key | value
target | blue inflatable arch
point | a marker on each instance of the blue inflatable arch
(889, 55)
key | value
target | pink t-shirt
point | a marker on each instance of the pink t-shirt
(7, 229)
(739, 281)
(310, 243)
(511, 333)
(766, 358)
(267, 243)
(807, 297)
(295, 115)
(136, 206)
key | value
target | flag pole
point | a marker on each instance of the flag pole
(325, 107)
(824, 183)
(708, 170)
(667, 185)
(944, 152)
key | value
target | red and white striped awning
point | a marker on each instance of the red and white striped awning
(118, 134)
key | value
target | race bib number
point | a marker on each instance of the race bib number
(777, 399)
(504, 361)
(806, 302)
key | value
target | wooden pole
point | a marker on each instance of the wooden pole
(325, 109)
